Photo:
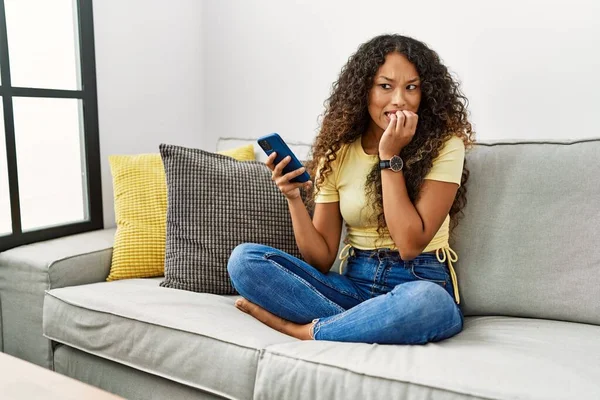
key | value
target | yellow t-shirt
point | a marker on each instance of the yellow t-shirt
(346, 184)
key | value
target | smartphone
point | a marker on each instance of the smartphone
(274, 143)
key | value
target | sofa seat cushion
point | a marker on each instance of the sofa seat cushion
(493, 358)
(191, 338)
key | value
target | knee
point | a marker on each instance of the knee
(433, 301)
(425, 290)
(242, 259)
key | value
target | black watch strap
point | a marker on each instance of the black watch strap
(383, 164)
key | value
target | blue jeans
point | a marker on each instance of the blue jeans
(378, 299)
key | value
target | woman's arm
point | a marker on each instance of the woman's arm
(317, 239)
(412, 227)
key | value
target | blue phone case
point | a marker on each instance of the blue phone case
(274, 143)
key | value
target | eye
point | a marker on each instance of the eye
(386, 86)
(411, 87)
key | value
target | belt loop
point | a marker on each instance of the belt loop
(379, 252)
(346, 252)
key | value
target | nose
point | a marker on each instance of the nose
(398, 98)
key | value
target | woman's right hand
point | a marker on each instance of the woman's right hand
(289, 189)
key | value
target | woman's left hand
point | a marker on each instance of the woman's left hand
(398, 134)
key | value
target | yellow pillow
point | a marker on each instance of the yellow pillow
(242, 153)
(140, 195)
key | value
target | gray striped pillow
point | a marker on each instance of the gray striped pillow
(215, 203)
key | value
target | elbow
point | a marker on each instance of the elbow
(409, 246)
(324, 268)
(408, 255)
(408, 251)
(321, 265)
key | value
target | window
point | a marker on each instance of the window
(49, 149)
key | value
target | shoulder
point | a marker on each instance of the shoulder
(453, 144)
(448, 164)
(336, 164)
(454, 148)
(340, 156)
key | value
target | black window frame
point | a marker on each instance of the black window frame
(88, 97)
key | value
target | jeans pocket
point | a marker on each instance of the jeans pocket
(432, 271)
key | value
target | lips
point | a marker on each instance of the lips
(388, 113)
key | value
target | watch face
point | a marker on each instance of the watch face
(396, 164)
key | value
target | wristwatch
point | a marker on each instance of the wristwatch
(395, 164)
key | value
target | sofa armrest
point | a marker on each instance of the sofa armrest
(67, 261)
(26, 272)
(1, 338)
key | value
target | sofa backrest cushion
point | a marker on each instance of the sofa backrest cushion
(529, 242)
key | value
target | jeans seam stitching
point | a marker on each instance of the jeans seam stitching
(386, 272)
(316, 328)
(307, 284)
(372, 291)
(412, 270)
(270, 254)
(333, 318)
(315, 331)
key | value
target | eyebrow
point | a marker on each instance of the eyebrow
(391, 80)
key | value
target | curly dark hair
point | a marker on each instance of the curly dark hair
(442, 114)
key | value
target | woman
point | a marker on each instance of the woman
(389, 163)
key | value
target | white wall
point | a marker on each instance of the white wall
(190, 71)
(149, 75)
(529, 68)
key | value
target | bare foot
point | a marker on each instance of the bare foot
(289, 328)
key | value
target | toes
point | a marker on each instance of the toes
(246, 306)
(272, 320)
(241, 305)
